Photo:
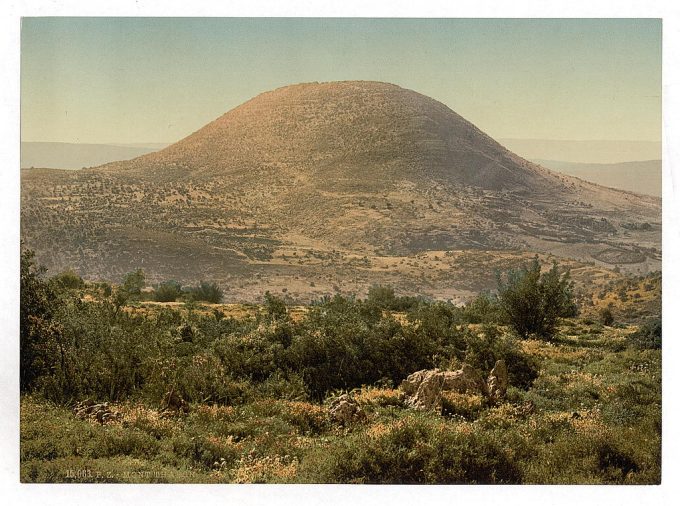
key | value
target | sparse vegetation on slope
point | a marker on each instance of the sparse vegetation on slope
(327, 185)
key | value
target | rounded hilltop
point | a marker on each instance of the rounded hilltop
(342, 129)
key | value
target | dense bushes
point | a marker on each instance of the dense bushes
(206, 292)
(168, 291)
(438, 325)
(344, 344)
(275, 308)
(483, 309)
(485, 348)
(96, 349)
(103, 352)
(648, 336)
(106, 353)
(40, 334)
(385, 298)
(133, 283)
(415, 449)
(591, 416)
(68, 280)
(341, 344)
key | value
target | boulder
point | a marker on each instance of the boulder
(425, 387)
(344, 410)
(412, 382)
(89, 410)
(498, 381)
(466, 380)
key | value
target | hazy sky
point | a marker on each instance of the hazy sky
(126, 80)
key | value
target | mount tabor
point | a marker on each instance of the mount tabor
(315, 188)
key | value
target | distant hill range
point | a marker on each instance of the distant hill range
(322, 187)
(641, 177)
(63, 155)
(608, 151)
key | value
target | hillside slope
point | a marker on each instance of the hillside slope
(330, 186)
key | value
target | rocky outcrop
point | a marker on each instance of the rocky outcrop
(344, 411)
(497, 382)
(100, 412)
(425, 387)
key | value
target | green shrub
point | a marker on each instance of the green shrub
(133, 283)
(384, 297)
(413, 450)
(167, 291)
(606, 317)
(249, 357)
(532, 302)
(607, 456)
(106, 353)
(69, 280)
(484, 349)
(437, 326)
(206, 292)
(648, 336)
(343, 344)
(483, 309)
(274, 307)
(41, 342)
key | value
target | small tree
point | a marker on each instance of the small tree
(275, 308)
(133, 283)
(68, 279)
(381, 296)
(105, 289)
(606, 316)
(532, 302)
(41, 348)
(648, 336)
(482, 309)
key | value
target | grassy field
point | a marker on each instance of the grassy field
(593, 415)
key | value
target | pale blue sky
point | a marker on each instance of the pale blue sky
(125, 80)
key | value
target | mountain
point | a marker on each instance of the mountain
(64, 155)
(341, 129)
(640, 176)
(604, 151)
(319, 187)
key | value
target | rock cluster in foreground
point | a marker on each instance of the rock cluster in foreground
(424, 388)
